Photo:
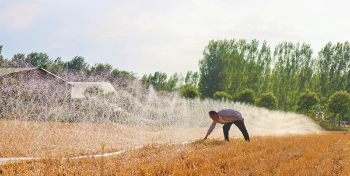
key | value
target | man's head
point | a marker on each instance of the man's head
(213, 115)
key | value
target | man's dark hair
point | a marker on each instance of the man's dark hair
(212, 112)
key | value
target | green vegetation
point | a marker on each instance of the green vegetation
(39, 59)
(339, 103)
(287, 72)
(93, 91)
(57, 66)
(222, 95)
(306, 100)
(190, 92)
(267, 100)
(246, 96)
(289, 77)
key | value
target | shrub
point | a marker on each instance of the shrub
(93, 91)
(246, 96)
(222, 95)
(190, 92)
(267, 100)
(163, 93)
(339, 103)
(306, 100)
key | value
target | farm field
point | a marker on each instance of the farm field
(325, 153)
(40, 139)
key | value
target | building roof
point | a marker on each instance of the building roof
(6, 71)
(78, 88)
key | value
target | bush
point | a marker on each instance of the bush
(267, 100)
(93, 91)
(306, 100)
(246, 96)
(191, 92)
(163, 93)
(222, 95)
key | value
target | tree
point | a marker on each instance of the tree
(77, 63)
(190, 92)
(158, 80)
(339, 103)
(128, 75)
(268, 100)
(58, 65)
(19, 61)
(124, 74)
(246, 96)
(173, 82)
(306, 100)
(210, 67)
(99, 68)
(1, 58)
(116, 73)
(222, 95)
(41, 60)
(192, 78)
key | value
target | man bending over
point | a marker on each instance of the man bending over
(228, 117)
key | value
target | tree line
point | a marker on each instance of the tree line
(77, 66)
(288, 78)
(237, 67)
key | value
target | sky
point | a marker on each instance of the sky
(145, 36)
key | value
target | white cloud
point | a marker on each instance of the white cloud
(20, 15)
(174, 33)
(170, 34)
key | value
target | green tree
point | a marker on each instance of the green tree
(268, 100)
(116, 73)
(58, 65)
(210, 67)
(144, 80)
(127, 75)
(173, 82)
(99, 68)
(77, 63)
(2, 60)
(158, 80)
(246, 96)
(192, 78)
(306, 100)
(222, 95)
(190, 92)
(339, 103)
(232, 66)
(19, 61)
(39, 59)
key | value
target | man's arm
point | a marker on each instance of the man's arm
(211, 128)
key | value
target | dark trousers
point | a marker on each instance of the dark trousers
(241, 127)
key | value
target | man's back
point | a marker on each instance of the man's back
(230, 115)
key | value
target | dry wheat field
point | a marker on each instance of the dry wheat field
(325, 153)
(42, 139)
